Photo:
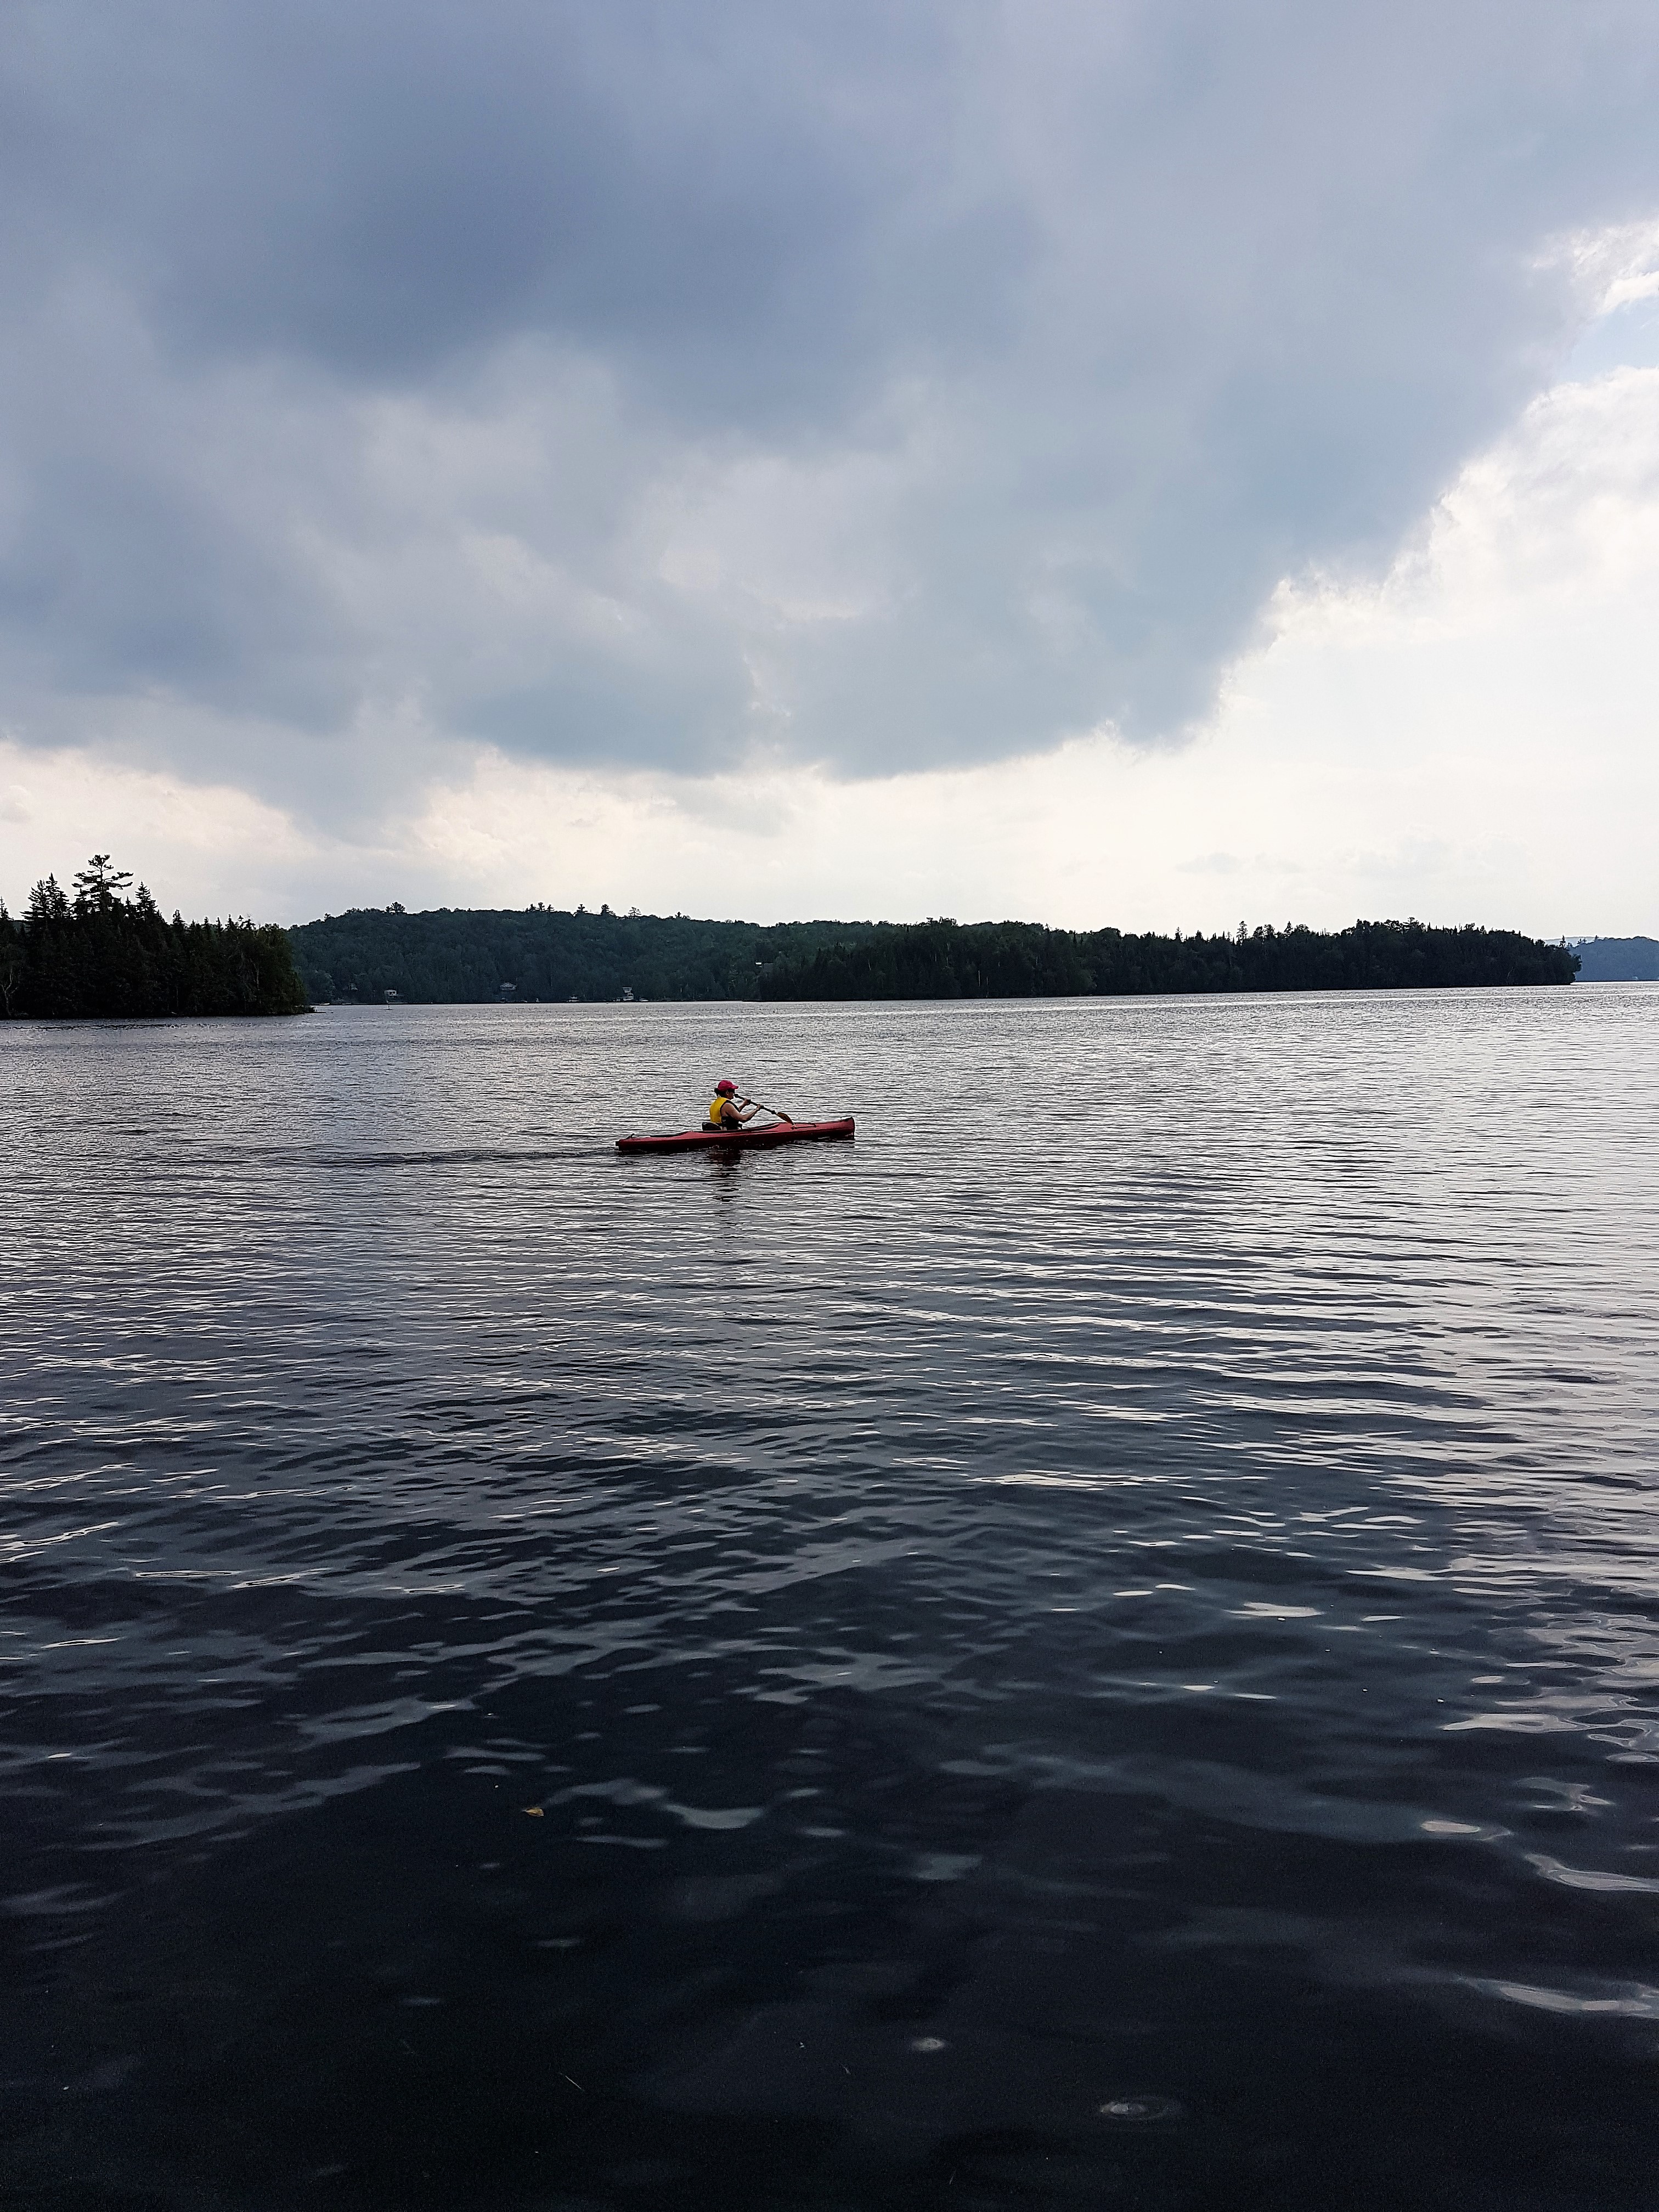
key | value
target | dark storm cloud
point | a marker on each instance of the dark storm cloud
(879, 385)
(380, 188)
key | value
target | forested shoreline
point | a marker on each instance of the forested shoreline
(1013, 959)
(461, 956)
(99, 954)
(105, 951)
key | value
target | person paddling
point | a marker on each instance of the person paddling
(726, 1110)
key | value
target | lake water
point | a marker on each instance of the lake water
(1097, 1646)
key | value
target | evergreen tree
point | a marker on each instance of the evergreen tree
(11, 961)
(98, 887)
(103, 954)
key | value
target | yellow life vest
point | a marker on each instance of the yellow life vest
(714, 1113)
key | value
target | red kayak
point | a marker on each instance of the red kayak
(775, 1133)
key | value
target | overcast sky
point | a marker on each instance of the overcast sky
(1160, 464)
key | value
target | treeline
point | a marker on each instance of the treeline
(100, 954)
(460, 958)
(1017, 960)
(541, 952)
(103, 952)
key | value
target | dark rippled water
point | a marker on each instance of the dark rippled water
(1097, 1646)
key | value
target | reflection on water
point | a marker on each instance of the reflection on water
(1097, 1645)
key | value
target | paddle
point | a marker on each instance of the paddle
(776, 1110)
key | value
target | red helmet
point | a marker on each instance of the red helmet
(726, 1087)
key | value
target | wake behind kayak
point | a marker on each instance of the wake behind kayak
(777, 1132)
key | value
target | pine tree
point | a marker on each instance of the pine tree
(104, 955)
(98, 887)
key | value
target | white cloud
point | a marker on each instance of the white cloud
(208, 848)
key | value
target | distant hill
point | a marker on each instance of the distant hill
(1617, 959)
(454, 956)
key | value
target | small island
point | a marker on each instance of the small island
(100, 953)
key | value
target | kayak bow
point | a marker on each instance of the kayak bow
(777, 1132)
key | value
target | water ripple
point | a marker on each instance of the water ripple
(891, 1642)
